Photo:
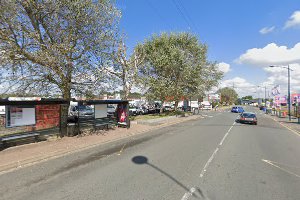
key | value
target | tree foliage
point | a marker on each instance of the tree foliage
(46, 45)
(249, 97)
(124, 68)
(228, 95)
(174, 66)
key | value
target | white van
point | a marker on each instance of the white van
(2, 110)
(206, 105)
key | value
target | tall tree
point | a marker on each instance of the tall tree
(249, 97)
(228, 95)
(46, 45)
(174, 66)
(124, 67)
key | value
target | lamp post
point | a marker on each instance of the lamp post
(289, 88)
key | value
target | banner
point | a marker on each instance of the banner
(276, 90)
(295, 98)
(280, 100)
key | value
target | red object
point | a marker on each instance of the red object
(47, 116)
(122, 113)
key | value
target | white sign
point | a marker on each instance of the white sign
(20, 116)
(24, 98)
(100, 111)
(2, 110)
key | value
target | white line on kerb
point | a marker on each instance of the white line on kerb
(187, 195)
(285, 170)
(215, 152)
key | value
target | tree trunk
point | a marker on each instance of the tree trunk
(64, 112)
(161, 107)
(176, 105)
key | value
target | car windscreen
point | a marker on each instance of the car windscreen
(248, 115)
(83, 108)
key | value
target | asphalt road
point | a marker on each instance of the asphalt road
(208, 158)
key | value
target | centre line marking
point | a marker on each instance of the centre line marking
(188, 194)
(215, 152)
(226, 134)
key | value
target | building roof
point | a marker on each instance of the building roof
(106, 101)
(42, 101)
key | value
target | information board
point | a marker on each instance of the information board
(20, 116)
(101, 111)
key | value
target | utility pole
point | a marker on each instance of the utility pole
(289, 93)
(289, 88)
(265, 95)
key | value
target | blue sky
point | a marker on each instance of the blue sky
(229, 28)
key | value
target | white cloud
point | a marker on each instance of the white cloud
(266, 30)
(293, 21)
(278, 76)
(224, 67)
(241, 86)
(272, 54)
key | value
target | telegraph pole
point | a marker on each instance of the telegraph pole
(265, 95)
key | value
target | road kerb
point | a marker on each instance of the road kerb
(56, 154)
(285, 126)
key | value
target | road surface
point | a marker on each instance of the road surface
(208, 158)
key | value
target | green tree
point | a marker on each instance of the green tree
(228, 95)
(124, 68)
(47, 45)
(174, 66)
(249, 97)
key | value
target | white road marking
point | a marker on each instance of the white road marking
(215, 152)
(285, 170)
(188, 194)
(226, 134)
(208, 162)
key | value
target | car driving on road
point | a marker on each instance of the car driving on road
(237, 109)
(248, 117)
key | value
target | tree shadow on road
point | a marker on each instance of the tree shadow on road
(140, 160)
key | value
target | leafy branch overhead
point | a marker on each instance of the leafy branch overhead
(53, 43)
(175, 66)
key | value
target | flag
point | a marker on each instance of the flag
(276, 90)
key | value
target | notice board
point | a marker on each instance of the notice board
(100, 111)
(20, 116)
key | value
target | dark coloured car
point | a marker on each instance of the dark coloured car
(248, 117)
(237, 109)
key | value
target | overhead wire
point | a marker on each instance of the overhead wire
(188, 15)
(158, 14)
(182, 14)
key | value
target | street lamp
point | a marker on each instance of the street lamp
(289, 87)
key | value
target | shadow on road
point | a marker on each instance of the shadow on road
(140, 160)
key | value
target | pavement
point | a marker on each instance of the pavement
(211, 157)
(21, 156)
(293, 124)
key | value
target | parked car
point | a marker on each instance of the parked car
(261, 107)
(151, 109)
(248, 117)
(167, 108)
(205, 105)
(111, 110)
(84, 112)
(139, 110)
(144, 110)
(132, 110)
(237, 109)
